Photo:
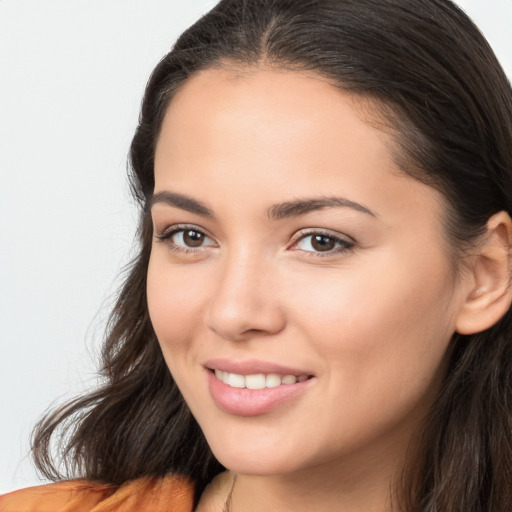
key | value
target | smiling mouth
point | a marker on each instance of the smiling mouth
(259, 387)
(258, 380)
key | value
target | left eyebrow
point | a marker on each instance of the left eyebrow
(303, 206)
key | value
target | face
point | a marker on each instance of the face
(299, 284)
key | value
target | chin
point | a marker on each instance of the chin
(254, 453)
(254, 464)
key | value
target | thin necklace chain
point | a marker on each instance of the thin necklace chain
(227, 504)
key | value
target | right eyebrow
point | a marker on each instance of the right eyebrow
(180, 201)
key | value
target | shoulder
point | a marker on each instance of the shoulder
(77, 494)
(148, 494)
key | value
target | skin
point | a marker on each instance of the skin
(371, 322)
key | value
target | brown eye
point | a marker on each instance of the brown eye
(322, 243)
(186, 238)
(193, 238)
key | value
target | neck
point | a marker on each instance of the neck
(324, 489)
(364, 479)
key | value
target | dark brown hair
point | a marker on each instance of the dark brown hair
(435, 80)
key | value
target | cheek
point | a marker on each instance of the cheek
(174, 304)
(389, 322)
(380, 337)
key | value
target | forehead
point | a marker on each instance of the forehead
(268, 136)
(223, 114)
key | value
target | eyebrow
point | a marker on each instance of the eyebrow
(303, 206)
(275, 212)
(182, 202)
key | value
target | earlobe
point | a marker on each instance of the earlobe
(490, 294)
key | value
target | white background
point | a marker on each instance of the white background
(72, 73)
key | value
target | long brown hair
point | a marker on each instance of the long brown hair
(442, 93)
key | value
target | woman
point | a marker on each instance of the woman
(319, 315)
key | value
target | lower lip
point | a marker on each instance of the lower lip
(253, 402)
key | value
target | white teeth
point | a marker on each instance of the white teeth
(255, 381)
(273, 380)
(236, 381)
(258, 380)
(223, 376)
(289, 379)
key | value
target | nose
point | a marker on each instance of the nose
(244, 303)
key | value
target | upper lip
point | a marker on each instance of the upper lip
(253, 366)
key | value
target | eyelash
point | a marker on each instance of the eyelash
(167, 235)
(346, 245)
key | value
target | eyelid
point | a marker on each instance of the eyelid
(348, 243)
(174, 228)
(166, 235)
(301, 233)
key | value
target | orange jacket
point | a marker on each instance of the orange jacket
(148, 494)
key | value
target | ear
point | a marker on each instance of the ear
(489, 279)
